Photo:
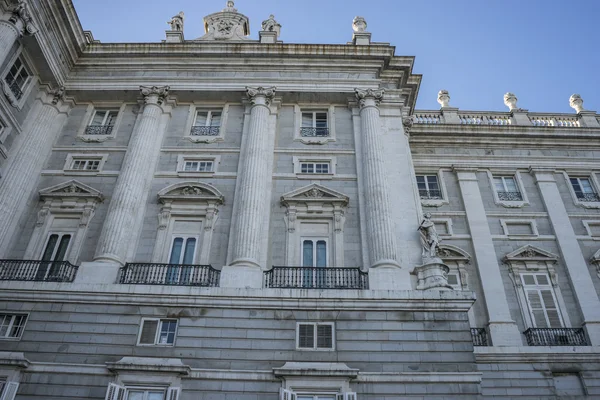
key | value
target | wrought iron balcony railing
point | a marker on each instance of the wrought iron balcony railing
(98, 129)
(556, 337)
(314, 132)
(16, 90)
(510, 196)
(36, 270)
(205, 130)
(479, 336)
(169, 274)
(316, 278)
(430, 194)
(587, 197)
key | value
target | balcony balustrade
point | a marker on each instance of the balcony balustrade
(36, 270)
(479, 336)
(587, 197)
(169, 274)
(314, 132)
(205, 130)
(556, 337)
(16, 90)
(316, 278)
(98, 130)
(510, 196)
(430, 194)
(436, 117)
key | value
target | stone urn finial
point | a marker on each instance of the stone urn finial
(359, 25)
(510, 101)
(443, 98)
(576, 102)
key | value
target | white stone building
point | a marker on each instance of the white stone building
(225, 218)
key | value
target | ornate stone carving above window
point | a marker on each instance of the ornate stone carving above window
(68, 200)
(185, 201)
(457, 260)
(596, 261)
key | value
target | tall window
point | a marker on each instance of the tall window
(429, 187)
(158, 332)
(102, 123)
(584, 190)
(507, 189)
(541, 301)
(183, 250)
(55, 250)
(11, 325)
(314, 253)
(314, 123)
(207, 123)
(17, 78)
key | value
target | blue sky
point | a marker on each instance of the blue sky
(542, 50)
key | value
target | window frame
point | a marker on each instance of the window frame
(11, 323)
(516, 175)
(182, 159)
(157, 333)
(185, 237)
(315, 240)
(593, 183)
(315, 326)
(73, 157)
(539, 288)
(441, 184)
(27, 86)
(298, 161)
(506, 223)
(301, 108)
(210, 107)
(169, 392)
(91, 110)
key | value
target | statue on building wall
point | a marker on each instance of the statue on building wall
(176, 22)
(269, 24)
(429, 237)
(359, 24)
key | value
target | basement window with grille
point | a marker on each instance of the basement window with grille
(315, 336)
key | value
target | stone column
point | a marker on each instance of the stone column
(581, 280)
(503, 330)
(42, 125)
(128, 202)
(381, 239)
(18, 24)
(252, 196)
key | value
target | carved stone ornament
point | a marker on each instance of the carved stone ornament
(430, 240)
(443, 98)
(366, 96)
(530, 253)
(191, 191)
(154, 94)
(57, 94)
(510, 101)
(270, 25)
(359, 25)
(432, 276)
(71, 188)
(176, 22)
(266, 94)
(226, 25)
(314, 193)
(576, 102)
(21, 13)
(408, 122)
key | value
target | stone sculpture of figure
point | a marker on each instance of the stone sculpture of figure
(230, 7)
(510, 101)
(444, 98)
(269, 24)
(177, 22)
(429, 237)
(359, 25)
(576, 102)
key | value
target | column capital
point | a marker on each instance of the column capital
(261, 95)
(154, 94)
(22, 19)
(369, 97)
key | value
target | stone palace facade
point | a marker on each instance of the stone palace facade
(224, 218)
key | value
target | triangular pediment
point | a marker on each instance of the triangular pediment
(316, 193)
(196, 191)
(596, 257)
(531, 253)
(449, 252)
(71, 188)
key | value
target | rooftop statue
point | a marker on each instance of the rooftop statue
(359, 25)
(269, 24)
(176, 22)
(226, 25)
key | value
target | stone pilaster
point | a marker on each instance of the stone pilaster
(43, 124)
(19, 23)
(576, 265)
(128, 203)
(381, 239)
(253, 195)
(502, 327)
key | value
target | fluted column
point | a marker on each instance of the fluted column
(252, 196)
(43, 123)
(128, 203)
(18, 24)
(383, 249)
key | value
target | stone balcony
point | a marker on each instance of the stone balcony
(169, 274)
(316, 278)
(37, 271)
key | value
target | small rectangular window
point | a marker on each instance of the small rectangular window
(314, 123)
(507, 189)
(159, 332)
(104, 117)
(208, 118)
(12, 325)
(315, 167)
(429, 188)
(315, 336)
(198, 166)
(17, 78)
(85, 164)
(584, 189)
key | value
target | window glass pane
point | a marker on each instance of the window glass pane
(17, 328)
(307, 120)
(499, 184)
(432, 182)
(324, 336)
(511, 185)
(421, 182)
(155, 395)
(4, 323)
(167, 332)
(176, 251)
(201, 118)
(586, 185)
(205, 166)
(111, 118)
(452, 279)
(321, 254)
(148, 332)
(321, 120)
(215, 119)
(307, 253)
(528, 279)
(98, 118)
(52, 240)
(575, 184)
(542, 279)
(307, 168)
(190, 247)
(306, 336)
(135, 395)
(62, 248)
(191, 166)
(322, 168)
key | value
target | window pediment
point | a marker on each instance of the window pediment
(531, 253)
(191, 191)
(314, 193)
(448, 252)
(71, 189)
